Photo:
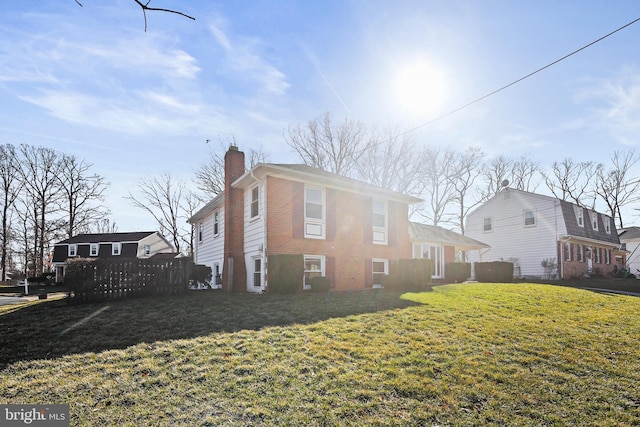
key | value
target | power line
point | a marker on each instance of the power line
(520, 79)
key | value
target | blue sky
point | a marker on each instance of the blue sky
(89, 81)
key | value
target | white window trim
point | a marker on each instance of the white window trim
(579, 216)
(94, 249)
(72, 249)
(426, 247)
(373, 273)
(484, 229)
(607, 224)
(253, 275)
(323, 269)
(257, 201)
(216, 222)
(147, 250)
(315, 222)
(200, 231)
(580, 253)
(114, 251)
(524, 219)
(377, 230)
(594, 221)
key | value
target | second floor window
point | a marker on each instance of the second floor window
(379, 221)
(255, 201)
(147, 250)
(200, 232)
(73, 249)
(93, 249)
(116, 249)
(487, 226)
(529, 218)
(314, 213)
(216, 223)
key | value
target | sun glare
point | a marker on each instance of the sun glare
(420, 88)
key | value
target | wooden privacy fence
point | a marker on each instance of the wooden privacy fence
(98, 280)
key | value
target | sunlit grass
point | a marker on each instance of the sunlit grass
(474, 354)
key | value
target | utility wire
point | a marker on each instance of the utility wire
(520, 79)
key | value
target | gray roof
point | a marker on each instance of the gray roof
(108, 237)
(434, 234)
(630, 233)
(587, 231)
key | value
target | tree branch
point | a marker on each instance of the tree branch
(145, 7)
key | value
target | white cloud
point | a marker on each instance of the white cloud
(243, 58)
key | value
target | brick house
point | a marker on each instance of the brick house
(533, 231)
(347, 230)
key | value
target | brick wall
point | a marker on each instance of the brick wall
(576, 268)
(234, 222)
(348, 250)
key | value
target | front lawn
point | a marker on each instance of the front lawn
(470, 354)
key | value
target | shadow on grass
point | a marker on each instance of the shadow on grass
(50, 329)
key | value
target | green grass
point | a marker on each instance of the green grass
(471, 354)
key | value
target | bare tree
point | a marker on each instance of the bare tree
(439, 190)
(466, 169)
(616, 186)
(209, 177)
(163, 198)
(39, 171)
(393, 164)
(524, 173)
(103, 225)
(10, 182)
(81, 190)
(573, 181)
(333, 147)
(493, 174)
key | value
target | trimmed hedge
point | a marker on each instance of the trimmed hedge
(496, 271)
(409, 274)
(285, 273)
(457, 272)
(320, 284)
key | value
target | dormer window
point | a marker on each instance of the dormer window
(594, 221)
(579, 216)
(607, 224)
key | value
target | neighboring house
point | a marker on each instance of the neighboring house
(346, 229)
(545, 237)
(144, 244)
(630, 238)
(440, 245)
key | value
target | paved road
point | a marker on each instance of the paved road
(10, 300)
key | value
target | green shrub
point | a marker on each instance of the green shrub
(409, 274)
(285, 273)
(457, 272)
(320, 284)
(200, 273)
(496, 271)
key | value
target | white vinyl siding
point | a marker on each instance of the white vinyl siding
(254, 229)
(509, 239)
(210, 251)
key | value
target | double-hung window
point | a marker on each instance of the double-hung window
(93, 249)
(581, 253)
(257, 272)
(216, 223)
(314, 266)
(487, 225)
(255, 202)
(567, 251)
(379, 222)
(116, 248)
(379, 268)
(314, 213)
(529, 218)
(200, 231)
(73, 249)
(594, 221)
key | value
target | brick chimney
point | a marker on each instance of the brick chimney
(234, 275)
